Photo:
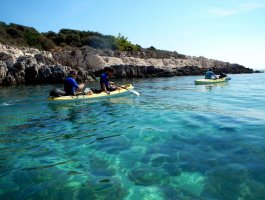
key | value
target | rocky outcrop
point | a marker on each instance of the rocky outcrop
(142, 65)
(31, 66)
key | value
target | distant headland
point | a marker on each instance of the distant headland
(30, 57)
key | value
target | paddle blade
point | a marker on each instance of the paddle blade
(135, 92)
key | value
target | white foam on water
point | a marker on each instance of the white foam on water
(5, 104)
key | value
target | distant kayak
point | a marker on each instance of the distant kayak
(124, 90)
(211, 81)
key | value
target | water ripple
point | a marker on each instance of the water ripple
(176, 141)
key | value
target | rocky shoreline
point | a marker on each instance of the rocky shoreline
(31, 66)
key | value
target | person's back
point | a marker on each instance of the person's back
(70, 86)
(105, 84)
(104, 80)
(209, 74)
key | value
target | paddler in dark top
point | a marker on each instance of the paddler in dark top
(70, 85)
(209, 74)
(105, 84)
(222, 75)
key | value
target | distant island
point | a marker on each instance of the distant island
(30, 57)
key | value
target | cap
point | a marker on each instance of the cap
(73, 72)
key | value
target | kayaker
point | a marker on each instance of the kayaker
(209, 74)
(222, 75)
(70, 85)
(105, 84)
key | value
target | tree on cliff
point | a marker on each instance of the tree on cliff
(125, 45)
(15, 34)
(19, 35)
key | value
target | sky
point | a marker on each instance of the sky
(226, 30)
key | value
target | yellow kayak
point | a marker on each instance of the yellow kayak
(124, 89)
(211, 81)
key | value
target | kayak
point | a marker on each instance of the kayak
(124, 90)
(211, 81)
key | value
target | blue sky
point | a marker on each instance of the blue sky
(227, 30)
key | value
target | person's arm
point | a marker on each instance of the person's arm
(103, 86)
(81, 86)
(104, 82)
(213, 75)
(216, 77)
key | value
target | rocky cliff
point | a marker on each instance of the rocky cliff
(31, 66)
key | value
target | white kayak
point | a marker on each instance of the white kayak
(211, 81)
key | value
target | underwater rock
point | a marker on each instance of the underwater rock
(159, 160)
(192, 183)
(148, 193)
(171, 169)
(225, 182)
(101, 167)
(146, 176)
(107, 190)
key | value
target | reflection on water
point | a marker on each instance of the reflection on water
(175, 141)
(209, 87)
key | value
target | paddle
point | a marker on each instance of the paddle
(84, 90)
(130, 90)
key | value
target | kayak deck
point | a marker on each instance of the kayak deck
(124, 89)
(211, 81)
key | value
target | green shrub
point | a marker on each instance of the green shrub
(13, 32)
(72, 39)
(124, 45)
(151, 48)
(96, 42)
(51, 35)
(66, 38)
(47, 44)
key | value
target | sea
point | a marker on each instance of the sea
(177, 140)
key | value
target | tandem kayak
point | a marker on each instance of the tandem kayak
(211, 81)
(124, 89)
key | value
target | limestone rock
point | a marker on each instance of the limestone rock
(26, 65)
(3, 71)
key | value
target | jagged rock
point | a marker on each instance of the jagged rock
(9, 59)
(9, 80)
(41, 58)
(3, 71)
(31, 74)
(52, 74)
(32, 66)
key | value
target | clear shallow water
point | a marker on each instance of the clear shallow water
(175, 141)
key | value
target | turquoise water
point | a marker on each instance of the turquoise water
(175, 141)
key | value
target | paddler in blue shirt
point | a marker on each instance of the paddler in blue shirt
(70, 85)
(209, 74)
(105, 84)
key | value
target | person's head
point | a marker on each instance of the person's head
(210, 69)
(109, 70)
(73, 73)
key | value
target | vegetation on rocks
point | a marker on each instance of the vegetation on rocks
(19, 35)
(14, 34)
